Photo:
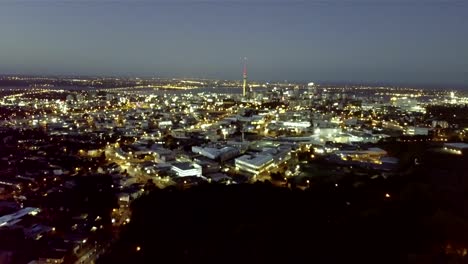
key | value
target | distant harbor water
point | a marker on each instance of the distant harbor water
(219, 90)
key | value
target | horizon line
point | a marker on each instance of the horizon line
(397, 84)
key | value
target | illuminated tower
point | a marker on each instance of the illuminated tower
(244, 86)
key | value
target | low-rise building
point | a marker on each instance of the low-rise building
(254, 164)
(372, 155)
(185, 169)
(221, 154)
(417, 131)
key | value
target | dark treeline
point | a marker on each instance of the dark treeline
(405, 219)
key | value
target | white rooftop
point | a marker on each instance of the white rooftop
(257, 160)
(13, 218)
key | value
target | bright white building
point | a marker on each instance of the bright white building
(222, 154)
(297, 124)
(186, 169)
(423, 131)
(254, 164)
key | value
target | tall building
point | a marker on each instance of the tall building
(311, 89)
(244, 86)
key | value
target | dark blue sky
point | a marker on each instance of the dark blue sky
(399, 41)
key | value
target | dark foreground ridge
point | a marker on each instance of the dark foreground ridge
(400, 220)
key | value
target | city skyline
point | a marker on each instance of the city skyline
(414, 42)
(233, 131)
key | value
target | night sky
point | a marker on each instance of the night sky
(396, 41)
